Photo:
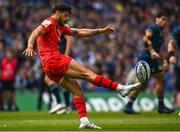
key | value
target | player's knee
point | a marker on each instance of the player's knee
(79, 93)
(161, 81)
(74, 88)
(89, 74)
(160, 78)
(46, 79)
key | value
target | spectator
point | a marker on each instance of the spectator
(8, 72)
(109, 55)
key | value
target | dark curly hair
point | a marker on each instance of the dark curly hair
(62, 7)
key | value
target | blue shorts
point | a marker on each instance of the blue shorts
(177, 75)
(155, 66)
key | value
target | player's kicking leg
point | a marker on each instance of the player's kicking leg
(79, 102)
(76, 70)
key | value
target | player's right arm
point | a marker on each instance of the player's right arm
(148, 42)
(69, 44)
(29, 51)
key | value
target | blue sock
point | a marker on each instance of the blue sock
(67, 98)
(130, 102)
(161, 102)
(55, 90)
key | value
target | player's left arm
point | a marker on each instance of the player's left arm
(69, 44)
(171, 45)
(171, 52)
(164, 62)
(91, 32)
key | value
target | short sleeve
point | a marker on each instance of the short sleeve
(150, 29)
(47, 25)
(66, 30)
(153, 28)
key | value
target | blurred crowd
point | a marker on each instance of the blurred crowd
(112, 56)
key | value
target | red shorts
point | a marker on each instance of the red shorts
(57, 66)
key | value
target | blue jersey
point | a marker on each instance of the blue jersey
(157, 41)
(62, 45)
(157, 36)
(176, 36)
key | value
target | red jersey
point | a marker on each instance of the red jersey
(48, 43)
(8, 69)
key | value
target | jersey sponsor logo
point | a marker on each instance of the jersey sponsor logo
(46, 23)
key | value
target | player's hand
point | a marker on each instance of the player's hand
(172, 60)
(29, 52)
(154, 55)
(165, 66)
(107, 30)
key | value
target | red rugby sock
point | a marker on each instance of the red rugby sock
(80, 106)
(105, 82)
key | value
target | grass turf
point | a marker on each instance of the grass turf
(42, 121)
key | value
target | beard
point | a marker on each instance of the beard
(59, 21)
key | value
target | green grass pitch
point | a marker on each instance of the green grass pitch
(42, 121)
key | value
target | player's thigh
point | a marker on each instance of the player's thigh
(159, 77)
(48, 81)
(76, 70)
(72, 86)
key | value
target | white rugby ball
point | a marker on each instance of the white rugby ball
(143, 71)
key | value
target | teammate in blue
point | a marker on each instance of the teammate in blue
(153, 40)
(65, 47)
(173, 44)
(173, 57)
